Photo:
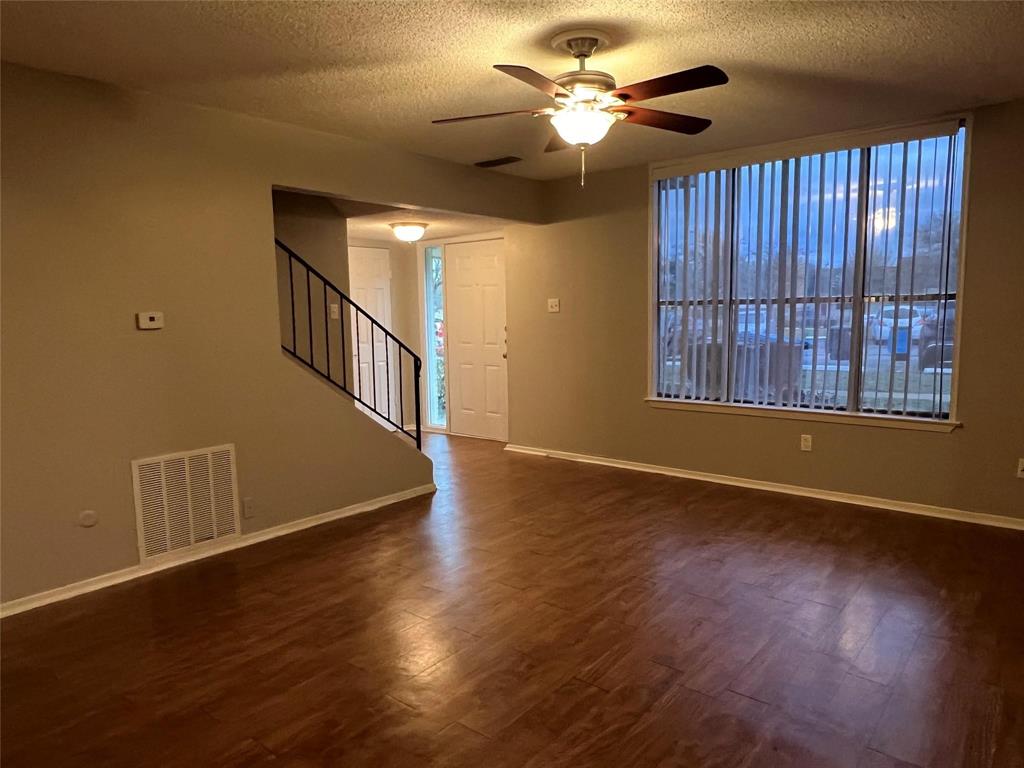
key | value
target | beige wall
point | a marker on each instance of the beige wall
(116, 202)
(596, 262)
(405, 297)
(314, 229)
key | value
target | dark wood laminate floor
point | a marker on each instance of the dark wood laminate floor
(542, 613)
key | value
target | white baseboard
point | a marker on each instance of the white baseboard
(174, 559)
(948, 513)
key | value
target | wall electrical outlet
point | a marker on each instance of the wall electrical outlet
(806, 443)
(1020, 469)
(248, 508)
(335, 311)
(554, 305)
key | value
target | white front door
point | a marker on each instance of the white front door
(477, 366)
(370, 288)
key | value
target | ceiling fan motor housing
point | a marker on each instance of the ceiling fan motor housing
(586, 78)
(582, 43)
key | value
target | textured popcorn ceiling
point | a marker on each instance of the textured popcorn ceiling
(383, 70)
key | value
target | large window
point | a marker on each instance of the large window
(826, 281)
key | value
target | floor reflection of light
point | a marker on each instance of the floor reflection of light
(420, 647)
(443, 526)
(446, 539)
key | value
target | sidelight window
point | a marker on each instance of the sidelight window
(437, 407)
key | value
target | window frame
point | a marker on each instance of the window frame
(864, 140)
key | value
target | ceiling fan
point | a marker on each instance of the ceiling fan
(588, 102)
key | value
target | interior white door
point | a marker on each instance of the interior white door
(370, 288)
(477, 365)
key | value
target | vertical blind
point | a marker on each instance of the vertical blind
(826, 281)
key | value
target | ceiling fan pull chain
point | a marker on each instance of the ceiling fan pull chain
(583, 165)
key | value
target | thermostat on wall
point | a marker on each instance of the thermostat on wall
(149, 321)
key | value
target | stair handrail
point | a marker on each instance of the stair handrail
(343, 385)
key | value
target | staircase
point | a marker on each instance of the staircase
(345, 345)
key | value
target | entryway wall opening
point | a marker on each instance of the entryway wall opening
(443, 296)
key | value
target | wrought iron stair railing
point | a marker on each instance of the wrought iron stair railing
(345, 345)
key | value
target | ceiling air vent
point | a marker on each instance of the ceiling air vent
(498, 161)
(185, 499)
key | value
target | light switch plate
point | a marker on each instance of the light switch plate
(806, 443)
(149, 321)
(554, 305)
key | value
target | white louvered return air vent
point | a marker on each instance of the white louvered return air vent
(185, 499)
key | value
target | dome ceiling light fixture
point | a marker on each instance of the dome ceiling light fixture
(408, 231)
(588, 102)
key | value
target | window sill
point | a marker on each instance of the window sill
(793, 414)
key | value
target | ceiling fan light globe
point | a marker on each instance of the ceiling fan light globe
(408, 231)
(582, 127)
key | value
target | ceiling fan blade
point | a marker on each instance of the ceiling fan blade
(668, 121)
(531, 77)
(492, 114)
(678, 82)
